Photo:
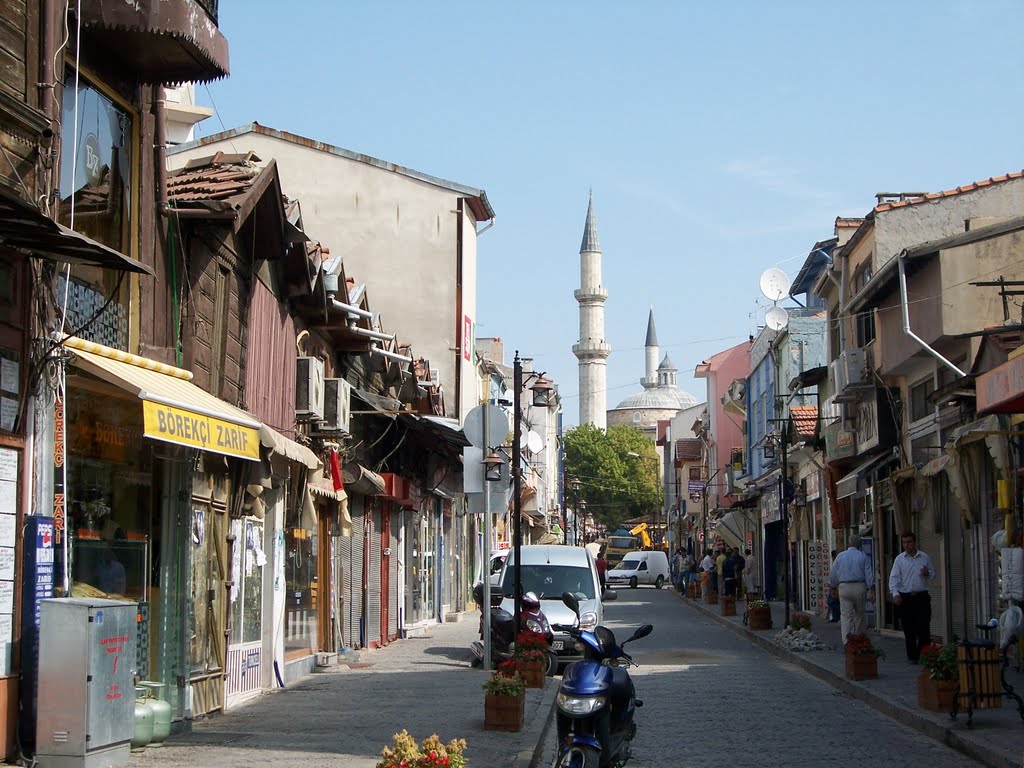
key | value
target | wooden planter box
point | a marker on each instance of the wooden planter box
(694, 590)
(861, 667)
(728, 605)
(533, 673)
(759, 619)
(503, 713)
(980, 664)
(712, 598)
(935, 695)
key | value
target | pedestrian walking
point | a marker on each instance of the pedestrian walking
(602, 567)
(707, 567)
(854, 580)
(677, 567)
(908, 584)
(833, 596)
(689, 567)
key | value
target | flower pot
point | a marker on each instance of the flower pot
(694, 590)
(533, 672)
(728, 605)
(863, 666)
(935, 695)
(712, 598)
(759, 619)
(503, 713)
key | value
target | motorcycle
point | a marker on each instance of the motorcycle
(596, 699)
(503, 633)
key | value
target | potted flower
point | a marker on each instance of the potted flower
(531, 657)
(800, 621)
(505, 698)
(936, 685)
(759, 615)
(861, 657)
(404, 752)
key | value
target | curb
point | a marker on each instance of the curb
(529, 758)
(904, 716)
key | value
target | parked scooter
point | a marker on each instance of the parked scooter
(596, 699)
(503, 634)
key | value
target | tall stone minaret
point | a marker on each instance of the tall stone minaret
(650, 379)
(592, 350)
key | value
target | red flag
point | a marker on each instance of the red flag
(336, 470)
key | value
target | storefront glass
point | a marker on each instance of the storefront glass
(420, 546)
(302, 596)
(247, 593)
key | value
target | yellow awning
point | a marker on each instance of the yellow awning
(174, 409)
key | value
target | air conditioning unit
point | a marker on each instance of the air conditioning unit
(856, 363)
(337, 406)
(309, 389)
(837, 372)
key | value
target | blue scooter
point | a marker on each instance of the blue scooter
(596, 699)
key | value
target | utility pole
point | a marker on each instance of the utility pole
(517, 483)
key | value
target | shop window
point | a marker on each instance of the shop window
(302, 598)
(247, 575)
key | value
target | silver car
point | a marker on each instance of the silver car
(550, 571)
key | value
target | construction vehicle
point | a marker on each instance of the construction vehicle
(626, 540)
(640, 531)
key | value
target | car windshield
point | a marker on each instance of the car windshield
(627, 565)
(550, 581)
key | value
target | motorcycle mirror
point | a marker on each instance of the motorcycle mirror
(642, 631)
(571, 603)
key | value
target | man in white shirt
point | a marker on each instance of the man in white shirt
(908, 584)
(707, 565)
(852, 575)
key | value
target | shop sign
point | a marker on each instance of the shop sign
(818, 564)
(695, 486)
(769, 504)
(839, 443)
(813, 486)
(197, 430)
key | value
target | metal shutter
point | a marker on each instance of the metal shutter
(957, 593)
(373, 595)
(393, 590)
(354, 575)
(931, 543)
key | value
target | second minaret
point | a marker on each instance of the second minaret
(592, 350)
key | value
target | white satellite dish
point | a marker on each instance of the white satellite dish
(774, 284)
(776, 318)
(534, 442)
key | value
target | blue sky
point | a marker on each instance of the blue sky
(719, 138)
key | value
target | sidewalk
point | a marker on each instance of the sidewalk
(997, 736)
(343, 716)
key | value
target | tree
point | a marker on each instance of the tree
(616, 485)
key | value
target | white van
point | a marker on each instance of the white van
(638, 568)
(550, 570)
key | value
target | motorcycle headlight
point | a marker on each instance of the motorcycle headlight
(580, 705)
(588, 620)
(534, 626)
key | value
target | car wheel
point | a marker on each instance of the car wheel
(659, 583)
(632, 582)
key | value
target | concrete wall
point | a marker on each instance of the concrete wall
(396, 234)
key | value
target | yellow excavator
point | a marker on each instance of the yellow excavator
(640, 531)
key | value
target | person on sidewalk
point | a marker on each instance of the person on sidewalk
(908, 584)
(602, 568)
(677, 567)
(833, 595)
(852, 576)
(748, 572)
(707, 580)
(689, 567)
(719, 564)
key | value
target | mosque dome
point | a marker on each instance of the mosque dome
(661, 398)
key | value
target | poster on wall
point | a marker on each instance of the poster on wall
(467, 338)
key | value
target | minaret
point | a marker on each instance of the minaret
(650, 379)
(592, 350)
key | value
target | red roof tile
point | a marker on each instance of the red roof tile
(888, 206)
(688, 449)
(805, 420)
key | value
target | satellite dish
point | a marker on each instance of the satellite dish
(534, 442)
(774, 284)
(776, 318)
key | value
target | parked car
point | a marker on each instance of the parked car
(550, 570)
(636, 568)
(497, 560)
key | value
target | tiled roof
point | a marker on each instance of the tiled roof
(888, 206)
(688, 449)
(217, 177)
(844, 222)
(805, 420)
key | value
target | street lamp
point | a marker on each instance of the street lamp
(492, 467)
(576, 523)
(541, 398)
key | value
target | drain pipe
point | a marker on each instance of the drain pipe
(906, 319)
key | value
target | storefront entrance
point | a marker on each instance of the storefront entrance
(421, 543)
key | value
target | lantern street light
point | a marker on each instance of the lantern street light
(541, 390)
(492, 467)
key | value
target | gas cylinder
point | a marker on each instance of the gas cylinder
(144, 718)
(161, 712)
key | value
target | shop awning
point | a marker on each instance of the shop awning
(934, 466)
(174, 409)
(856, 483)
(730, 528)
(283, 446)
(322, 487)
(26, 229)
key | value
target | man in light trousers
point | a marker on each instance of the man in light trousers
(852, 575)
